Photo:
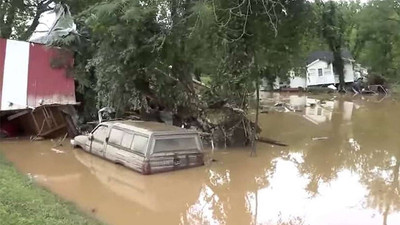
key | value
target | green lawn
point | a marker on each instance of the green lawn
(23, 202)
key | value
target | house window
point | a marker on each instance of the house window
(320, 73)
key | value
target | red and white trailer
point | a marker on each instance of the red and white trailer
(33, 74)
(34, 77)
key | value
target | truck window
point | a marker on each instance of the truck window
(115, 136)
(140, 144)
(175, 144)
(100, 133)
(127, 140)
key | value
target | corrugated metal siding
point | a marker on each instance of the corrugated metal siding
(30, 76)
(47, 84)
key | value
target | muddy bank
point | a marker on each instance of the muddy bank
(341, 167)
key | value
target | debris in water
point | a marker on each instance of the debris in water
(332, 87)
(354, 145)
(270, 141)
(60, 141)
(280, 107)
(319, 138)
(32, 177)
(36, 138)
(57, 151)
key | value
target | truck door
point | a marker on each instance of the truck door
(98, 140)
(113, 145)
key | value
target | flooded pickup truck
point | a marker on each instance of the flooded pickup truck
(146, 147)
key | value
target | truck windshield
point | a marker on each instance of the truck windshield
(175, 144)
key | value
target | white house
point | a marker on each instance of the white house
(296, 81)
(320, 68)
(320, 72)
(293, 82)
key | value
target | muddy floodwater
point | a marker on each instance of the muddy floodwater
(341, 167)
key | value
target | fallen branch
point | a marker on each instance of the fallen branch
(270, 141)
(60, 141)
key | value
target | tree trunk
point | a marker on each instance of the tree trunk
(41, 8)
(28, 33)
(253, 150)
(339, 68)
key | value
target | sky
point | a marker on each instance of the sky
(354, 0)
(363, 1)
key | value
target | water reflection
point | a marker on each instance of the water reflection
(349, 177)
(362, 139)
(140, 189)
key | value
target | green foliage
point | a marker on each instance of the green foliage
(22, 202)
(136, 55)
(15, 14)
(257, 43)
(370, 31)
(379, 38)
(333, 28)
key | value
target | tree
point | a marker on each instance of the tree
(333, 31)
(14, 15)
(203, 38)
(20, 18)
(379, 38)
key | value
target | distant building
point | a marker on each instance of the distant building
(320, 72)
(297, 81)
(320, 68)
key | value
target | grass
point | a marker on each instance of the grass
(23, 202)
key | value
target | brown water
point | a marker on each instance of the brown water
(347, 174)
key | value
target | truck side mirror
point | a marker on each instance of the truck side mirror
(90, 137)
(107, 139)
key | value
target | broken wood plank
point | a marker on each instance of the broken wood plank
(270, 141)
(16, 115)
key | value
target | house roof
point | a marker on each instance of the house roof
(327, 56)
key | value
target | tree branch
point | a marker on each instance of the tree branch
(41, 8)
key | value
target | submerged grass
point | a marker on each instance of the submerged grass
(23, 202)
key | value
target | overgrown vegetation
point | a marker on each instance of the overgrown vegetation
(146, 55)
(142, 55)
(22, 202)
